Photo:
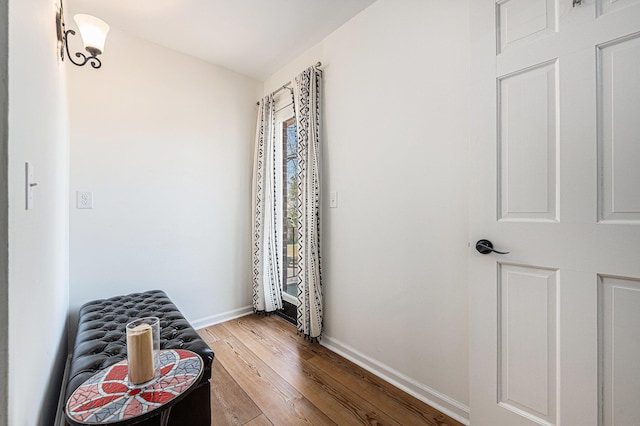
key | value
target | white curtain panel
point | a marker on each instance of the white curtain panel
(267, 212)
(306, 101)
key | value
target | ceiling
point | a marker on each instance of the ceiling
(251, 37)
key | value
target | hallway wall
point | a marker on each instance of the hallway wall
(395, 252)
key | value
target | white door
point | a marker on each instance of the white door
(555, 180)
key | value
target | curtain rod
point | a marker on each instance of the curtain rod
(286, 85)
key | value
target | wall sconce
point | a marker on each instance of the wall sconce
(93, 32)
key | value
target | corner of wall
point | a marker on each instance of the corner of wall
(37, 288)
(4, 206)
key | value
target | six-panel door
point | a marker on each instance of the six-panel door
(555, 161)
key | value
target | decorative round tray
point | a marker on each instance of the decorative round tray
(106, 397)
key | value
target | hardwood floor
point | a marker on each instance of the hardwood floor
(264, 374)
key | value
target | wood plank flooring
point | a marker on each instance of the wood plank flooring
(264, 374)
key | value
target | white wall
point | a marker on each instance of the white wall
(38, 238)
(395, 149)
(164, 142)
(4, 209)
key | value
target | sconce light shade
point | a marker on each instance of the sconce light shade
(93, 31)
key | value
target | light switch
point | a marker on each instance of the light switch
(333, 199)
(29, 185)
(84, 199)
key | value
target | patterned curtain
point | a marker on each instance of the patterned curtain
(306, 102)
(267, 212)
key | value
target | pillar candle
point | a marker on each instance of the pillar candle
(140, 354)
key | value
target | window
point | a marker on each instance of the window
(288, 156)
(290, 208)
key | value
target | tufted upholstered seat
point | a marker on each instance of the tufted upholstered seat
(101, 342)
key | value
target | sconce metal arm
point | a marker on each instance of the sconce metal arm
(92, 59)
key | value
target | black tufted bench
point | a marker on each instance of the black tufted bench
(101, 341)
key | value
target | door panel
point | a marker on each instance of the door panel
(555, 166)
(607, 6)
(527, 341)
(619, 349)
(527, 120)
(523, 21)
(618, 141)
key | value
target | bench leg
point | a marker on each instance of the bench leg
(164, 417)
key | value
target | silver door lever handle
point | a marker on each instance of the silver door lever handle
(486, 247)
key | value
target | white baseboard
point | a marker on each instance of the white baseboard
(225, 316)
(445, 404)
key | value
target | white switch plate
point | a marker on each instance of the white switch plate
(29, 185)
(84, 199)
(333, 199)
